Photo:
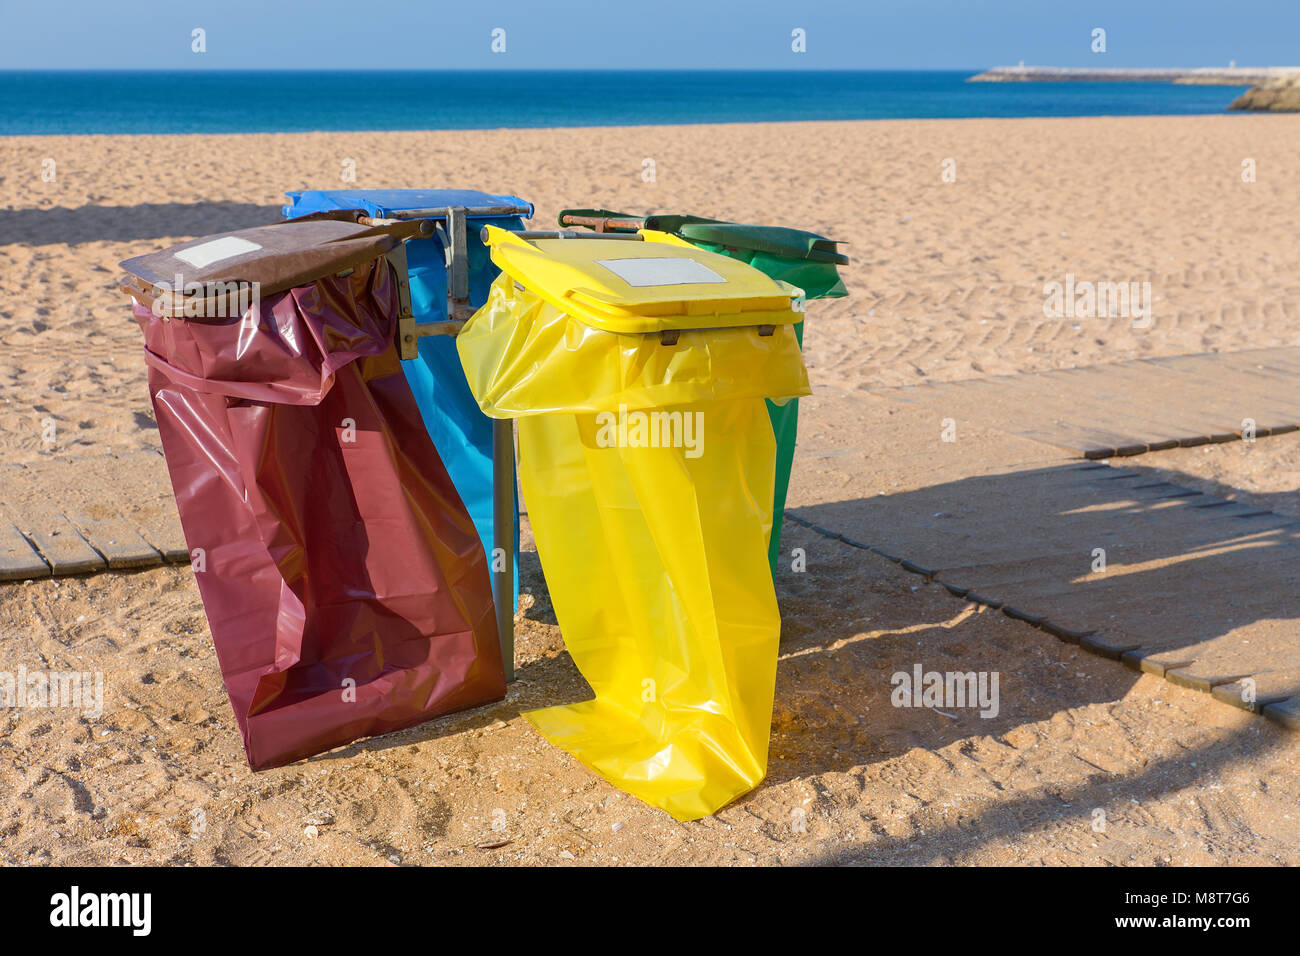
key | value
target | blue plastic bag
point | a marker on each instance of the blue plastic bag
(460, 431)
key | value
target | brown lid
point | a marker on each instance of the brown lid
(276, 257)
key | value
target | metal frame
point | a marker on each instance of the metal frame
(452, 232)
(503, 444)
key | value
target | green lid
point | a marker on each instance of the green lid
(776, 240)
(802, 258)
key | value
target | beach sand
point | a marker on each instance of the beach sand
(946, 283)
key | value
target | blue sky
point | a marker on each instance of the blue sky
(641, 34)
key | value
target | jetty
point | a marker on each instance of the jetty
(1205, 75)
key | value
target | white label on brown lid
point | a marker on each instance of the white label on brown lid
(227, 247)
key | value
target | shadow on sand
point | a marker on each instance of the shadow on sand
(172, 220)
(1189, 575)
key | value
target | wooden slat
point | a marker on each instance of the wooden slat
(1221, 396)
(63, 546)
(1160, 412)
(18, 559)
(95, 512)
(115, 498)
(1061, 396)
(993, 402)
(118, 541)
(1242, 386)
(33, 505)
(1128, 408)
(156, 514)
(1109, 384)
(1286, 713)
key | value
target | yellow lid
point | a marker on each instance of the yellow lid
(622, 285)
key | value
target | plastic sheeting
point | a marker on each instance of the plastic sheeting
(803, 259)
(523, 357)
(655, 553)
(345, 585)
(785, 426)
(461, 433)
(783, 413)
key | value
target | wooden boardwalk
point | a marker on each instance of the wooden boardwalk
(1129, 408)
(81, 515)
(1197, 589)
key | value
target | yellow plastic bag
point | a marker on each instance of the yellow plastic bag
(523, 357)
(654, 550)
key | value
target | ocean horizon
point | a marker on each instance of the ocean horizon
(161, 101)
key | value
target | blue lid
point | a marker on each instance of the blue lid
(383, 203)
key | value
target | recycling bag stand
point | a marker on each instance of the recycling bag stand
(803, 259)
(450, 274)
(638, 372)
(346, 587)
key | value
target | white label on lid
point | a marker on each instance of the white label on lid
(661, 271)
(227, 247)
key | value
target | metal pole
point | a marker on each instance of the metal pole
(602, 223)
(503, 535)
(423, 227)
(572, 234)
(503, 435)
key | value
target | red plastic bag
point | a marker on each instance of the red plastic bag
(345, 585)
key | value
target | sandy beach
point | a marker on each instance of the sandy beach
(946, 283)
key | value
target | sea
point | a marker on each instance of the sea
(237, 102)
